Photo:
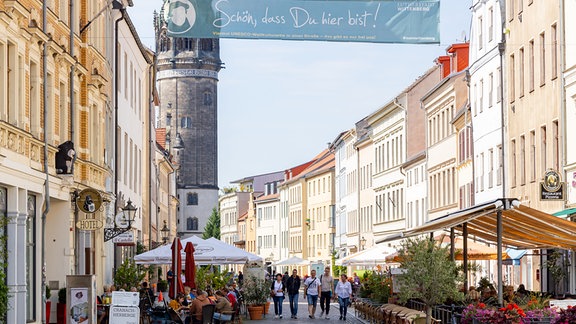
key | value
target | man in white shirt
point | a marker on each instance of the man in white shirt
(312, 289)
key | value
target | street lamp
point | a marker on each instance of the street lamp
(362, 242)
(122, 222)
(165, 233)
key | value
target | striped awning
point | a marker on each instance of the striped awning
(522, 227)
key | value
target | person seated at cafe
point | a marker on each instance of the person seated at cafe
(196, 307)
(508, 295)
(223, 310)
(473, 295)
(490, 297)
(188, 296)
(177, 303)
(229, 293)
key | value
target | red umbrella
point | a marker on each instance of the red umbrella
(176, 268)
(190, 271)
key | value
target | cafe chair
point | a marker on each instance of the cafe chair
(208, 313)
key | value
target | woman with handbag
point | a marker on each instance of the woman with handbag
(343, 291)
(277, 294)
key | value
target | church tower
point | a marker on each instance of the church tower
(187, 83)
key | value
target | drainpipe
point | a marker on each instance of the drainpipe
(47, 181)
(151, 139)
(502, 50)
(562, 123)
(116, 135)
(72, 132)
(72, 71)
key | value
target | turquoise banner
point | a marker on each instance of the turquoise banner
(383, 21)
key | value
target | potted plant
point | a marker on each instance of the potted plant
(48, 304)
(61, 306)
(162, 285)
(255, 292)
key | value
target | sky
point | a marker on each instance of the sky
(280, 103)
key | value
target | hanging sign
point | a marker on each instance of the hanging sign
(551, 188)
(374, 21)
(89, 224)
(89, 200)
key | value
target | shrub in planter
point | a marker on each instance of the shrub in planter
(162, 285)
(61, 306)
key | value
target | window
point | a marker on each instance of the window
(500, 166)
(555, 146)
(522, 160)
(481, 171)
(490, 89)
(475, 99)
(543, 149)
(192, 198)
(531, 66)
(542, 59)
(186, 122)
(512, 78)
(207, 98)
(35, 126)
(192, 224)
(513, 163)
(521, 74)
(63, 106)
(498, 79)
(30, 259)
(491, 166)
(554, 54)
(481, 95)
(510, 9)
(490, 24)
(480, 32)
(532, 156)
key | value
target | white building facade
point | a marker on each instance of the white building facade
(487, 104)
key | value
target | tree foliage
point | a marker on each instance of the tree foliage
(128, 275)
(212, 228)
(430, 275)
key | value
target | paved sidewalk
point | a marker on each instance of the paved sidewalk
(303, 315)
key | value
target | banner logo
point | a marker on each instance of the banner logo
(377, 21)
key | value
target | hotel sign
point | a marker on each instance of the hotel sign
(551, 188)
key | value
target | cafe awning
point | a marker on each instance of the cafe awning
(522, 227)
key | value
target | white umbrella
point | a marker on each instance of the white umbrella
(372, 256)
(205, 252)
(291, 261)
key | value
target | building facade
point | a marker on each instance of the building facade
(486, 68)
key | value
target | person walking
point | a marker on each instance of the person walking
(343, 291)
(312, 290)
(277, 292)
(327, 283)
(293, 288)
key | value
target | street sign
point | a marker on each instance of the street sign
(124, 315)
(126, 238)
(125, 298)
(89, 224)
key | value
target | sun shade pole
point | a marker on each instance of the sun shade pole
(465, 253)
(499, 253)
(452, 241)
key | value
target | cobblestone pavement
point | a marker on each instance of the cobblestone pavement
(303, 315)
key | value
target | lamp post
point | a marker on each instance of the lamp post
(362, 243)
(165, 233)
(122, 222)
